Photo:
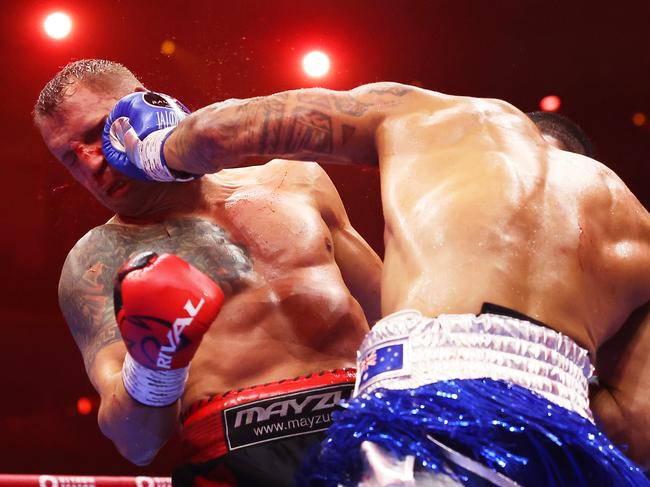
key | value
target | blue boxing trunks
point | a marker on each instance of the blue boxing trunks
(258, 436)
(468, 400)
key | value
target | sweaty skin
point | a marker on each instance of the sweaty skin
(479, 207)
(297, 277)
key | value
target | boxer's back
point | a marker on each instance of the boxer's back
(479, 208)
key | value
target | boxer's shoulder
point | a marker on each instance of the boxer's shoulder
(202, 242)
(307, 175)
(85, 296)
(101, 244)
(281, 175)
(300, 171)
(108, 243)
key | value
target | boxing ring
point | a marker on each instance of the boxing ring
(8, 480)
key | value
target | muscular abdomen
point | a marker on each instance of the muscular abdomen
(300, 324)
(294, 314)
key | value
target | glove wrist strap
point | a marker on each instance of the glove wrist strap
(153, 387)
(151, 158)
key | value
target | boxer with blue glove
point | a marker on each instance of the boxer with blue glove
(135, 132)
(498, 243)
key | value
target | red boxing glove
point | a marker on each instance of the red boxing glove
(163, 307)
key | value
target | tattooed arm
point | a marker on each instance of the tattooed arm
(310, 124)
(86, 300)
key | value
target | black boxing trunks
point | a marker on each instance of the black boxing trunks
(258, 436)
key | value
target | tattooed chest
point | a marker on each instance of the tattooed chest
(204, 244)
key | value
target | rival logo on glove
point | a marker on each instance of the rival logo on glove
(164, 360)
(163, 307)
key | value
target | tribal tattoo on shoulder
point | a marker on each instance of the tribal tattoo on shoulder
(87, 306)
(86, 285)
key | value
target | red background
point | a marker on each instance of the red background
(597, 59)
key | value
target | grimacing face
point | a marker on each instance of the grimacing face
(74, 137)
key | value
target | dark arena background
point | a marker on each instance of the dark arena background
(593, 56)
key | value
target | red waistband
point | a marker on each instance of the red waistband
(205, 433)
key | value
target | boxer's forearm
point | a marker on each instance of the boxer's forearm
(138, 431)
(621, 401)
(310, 124)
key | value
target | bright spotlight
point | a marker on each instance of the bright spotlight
(316, 64)
(550, 103)
(84, 406)
(639, 119)
(57, 25)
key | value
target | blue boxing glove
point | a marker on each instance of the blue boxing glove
(135, 133)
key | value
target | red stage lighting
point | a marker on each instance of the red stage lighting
(639, 119)
(550, 103)
(316, 64)
(84, 406)
(57, 25)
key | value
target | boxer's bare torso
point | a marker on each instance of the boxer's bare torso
(295, 273)
(479, 208)
(261, 233)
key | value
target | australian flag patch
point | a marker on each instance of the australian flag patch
(386, 360)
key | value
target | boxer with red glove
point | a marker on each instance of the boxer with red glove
(135, 132)
(163, 307)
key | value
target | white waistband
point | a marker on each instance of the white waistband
(406, 350)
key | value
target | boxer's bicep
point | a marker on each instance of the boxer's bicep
(621, 402)
(86, 301)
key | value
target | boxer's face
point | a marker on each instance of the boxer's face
(74, 136)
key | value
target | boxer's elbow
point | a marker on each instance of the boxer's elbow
(141, 459)
(626, 422)
(135, 455)
(637, 448)
(132, 436)
(636, 441)
(128, 445)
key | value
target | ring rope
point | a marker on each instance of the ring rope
(20, 480)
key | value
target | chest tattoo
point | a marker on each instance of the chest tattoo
(202, 243)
